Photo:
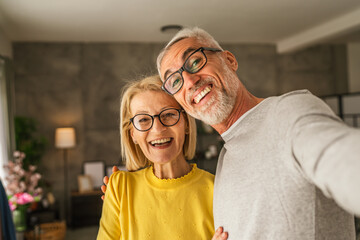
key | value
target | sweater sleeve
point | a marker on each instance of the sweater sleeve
(110, 220)
(327, 150)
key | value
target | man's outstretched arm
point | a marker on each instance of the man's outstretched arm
(326, 149)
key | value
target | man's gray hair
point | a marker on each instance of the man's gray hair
(199, 34)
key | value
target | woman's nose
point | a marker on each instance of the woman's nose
(157, 125)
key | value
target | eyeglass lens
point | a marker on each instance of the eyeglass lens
(193, 64)
(168, 117)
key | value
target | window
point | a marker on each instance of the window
(5, 116)
(346, 106)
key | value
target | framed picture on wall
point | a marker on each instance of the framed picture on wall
(96, 171)
(85, 184)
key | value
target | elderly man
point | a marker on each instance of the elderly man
(289, 168)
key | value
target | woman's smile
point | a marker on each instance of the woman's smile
(161, 143)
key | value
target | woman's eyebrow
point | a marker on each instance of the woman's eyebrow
(167, 107)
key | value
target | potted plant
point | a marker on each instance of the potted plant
(22, 189)
(27, 142)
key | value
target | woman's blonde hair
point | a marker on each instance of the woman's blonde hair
(132, 153)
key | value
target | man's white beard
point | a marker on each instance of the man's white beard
(221, 103)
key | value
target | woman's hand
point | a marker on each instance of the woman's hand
(220, 234)
(106, 180)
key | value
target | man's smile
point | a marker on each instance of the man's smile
(202, 94)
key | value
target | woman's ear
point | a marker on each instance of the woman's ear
(187, 131)
(231, 60)
(132, 136)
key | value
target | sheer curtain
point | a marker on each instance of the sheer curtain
(6, 125)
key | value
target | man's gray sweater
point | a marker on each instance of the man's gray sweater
(288, 169)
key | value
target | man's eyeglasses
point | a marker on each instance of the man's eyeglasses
(167, 117)
(193, 64)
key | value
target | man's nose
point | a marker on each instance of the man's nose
(190, 79)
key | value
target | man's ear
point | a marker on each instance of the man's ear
(231, 60)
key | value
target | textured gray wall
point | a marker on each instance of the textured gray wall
(320, 69)
(78, 84)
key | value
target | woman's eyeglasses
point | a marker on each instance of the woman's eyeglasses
(167, 117)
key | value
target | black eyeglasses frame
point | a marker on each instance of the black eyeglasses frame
(158, 116)
(182, 69)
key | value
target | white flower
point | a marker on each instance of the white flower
(17, 154)
(22, 186)
(32, 168)
(21, 181)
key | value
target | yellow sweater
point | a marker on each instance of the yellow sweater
(140, 206)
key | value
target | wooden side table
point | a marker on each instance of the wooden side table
(85, 208)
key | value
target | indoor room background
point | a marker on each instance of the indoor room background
(78, 83)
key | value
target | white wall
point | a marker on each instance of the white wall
(5, 45)
(353, 52)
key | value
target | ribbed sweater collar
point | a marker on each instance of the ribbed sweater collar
(171, 183)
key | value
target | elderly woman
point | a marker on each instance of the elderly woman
(162, 196)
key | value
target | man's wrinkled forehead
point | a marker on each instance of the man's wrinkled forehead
(184, 43)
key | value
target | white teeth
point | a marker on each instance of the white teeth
(164, 140)
(202, 94)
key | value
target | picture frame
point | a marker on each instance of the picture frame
(96, 171)
(85, 183)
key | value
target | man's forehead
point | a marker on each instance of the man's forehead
(183, 47)
(177, 53)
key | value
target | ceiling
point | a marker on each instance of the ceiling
(290, 24)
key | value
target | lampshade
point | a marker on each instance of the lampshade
(65, 137)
